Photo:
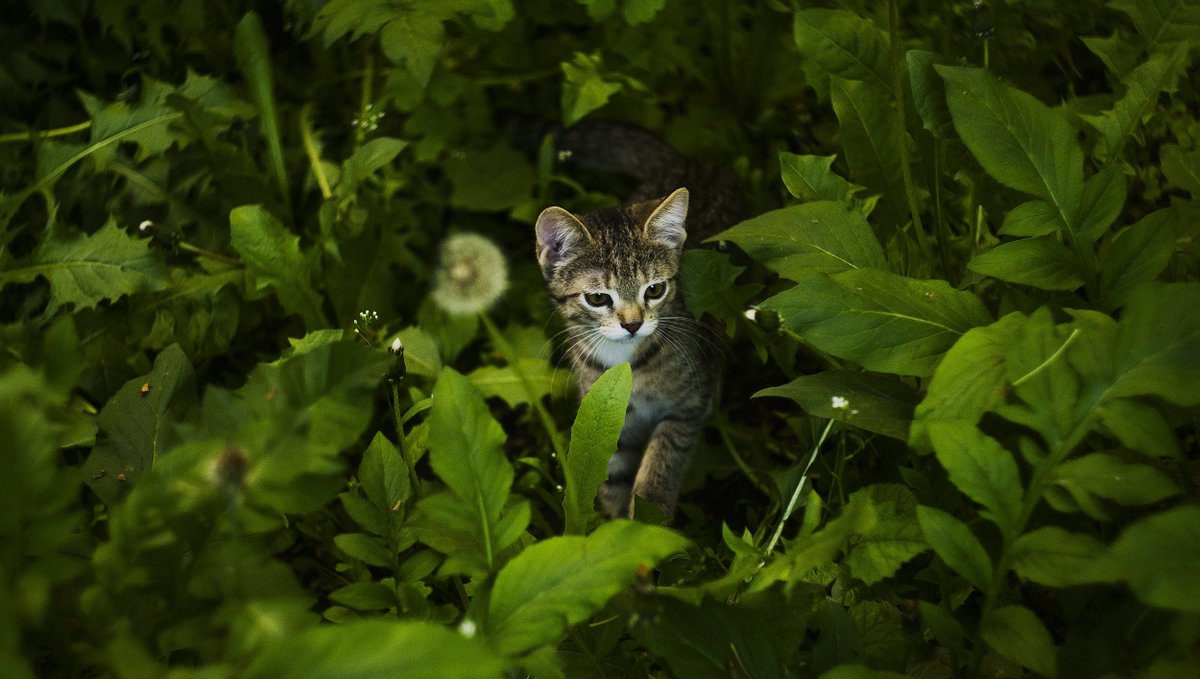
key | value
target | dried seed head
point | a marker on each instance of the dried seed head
(472, 276)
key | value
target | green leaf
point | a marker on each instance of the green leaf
(969, 381)
(1137, 256)
(585, 87)
(811, 178)
(593, 441)
(137, 424)
(1101, 203)
(562, 581)
(877, 403)
(843, 44)
(1016, 633)
(254, 56)
(1017, 139)
(375, 648)
(505, 383)
(929, 92)
(1181, 168)
(708, 282)
(1034, 218)
(1041, 262)
(366, 548)
(88, 270)
(869, 133)
(956, 545)
(981, 468)
(489, 181)
(1110, 477)
(1055, 557)
(383, 475)
(413, 39)
(802, 240)
(1157, 556)
(1139, 427)
(372, 157)
(642, 11)
(421, 356)
(465, 452)
(878, 319)
(894, 538)
(1143, 86)
(365, 596)
(859, 672)
(1158, 345)
(1162, 23)
(273, 254)
(945, 627)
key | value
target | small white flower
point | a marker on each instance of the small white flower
(397, 346)
(147, 224)
(467, 628)
(751, 314)
(472, 276)
(840, 403)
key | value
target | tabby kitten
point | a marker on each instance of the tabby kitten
(612, 275)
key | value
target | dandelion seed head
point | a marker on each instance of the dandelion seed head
(472, 276)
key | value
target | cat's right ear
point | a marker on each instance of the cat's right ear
(559, 234)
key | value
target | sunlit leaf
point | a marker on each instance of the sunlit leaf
(593, 441)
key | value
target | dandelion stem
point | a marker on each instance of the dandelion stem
(34, 134)
(310, 149)
(215, 256)
(791, 505)
(402, 440)
(535, 401)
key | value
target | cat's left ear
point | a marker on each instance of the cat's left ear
(666, 223)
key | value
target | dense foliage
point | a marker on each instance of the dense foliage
(961, 328)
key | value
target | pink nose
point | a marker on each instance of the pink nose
(632, 327)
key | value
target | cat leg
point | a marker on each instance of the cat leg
(615, 492)
(668, 453)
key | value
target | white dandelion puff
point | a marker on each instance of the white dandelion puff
(472, 276)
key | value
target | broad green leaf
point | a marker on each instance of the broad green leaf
(884, 638)
(366, 548)
(506, 383)
(802, 240)
(273, 254)
(1034, 218)
(376, 648)
(1101, 203)
(1117, 51)
(137, 424)
(414, 39)
(1137, 256)
(1038, 366)
(1181, 168)
(1042, 262)
(491, 180)
(1016, 138)
(956, 545)
(885, 322)
(365, 596)
(1016, 633)
(1157, 556)
(585, 87)
(969, 381)
(877, 403)
(254, 56)
(562, 581)
(1110, 477)
(812, 178)
(593, 441)
(373, 156)
(843, 44)
(1055, 557)
(945, 627)
(1158, 345)
(1139, 427)
(383, 475)
(642, 11)
(982, 468)
(817, 549)
(1143, 86)
(929, 92)
(465, 452)
(87, 270)
(421, 355)
(869, 134)
(894, 538)
(708, 282)
(1162, 23)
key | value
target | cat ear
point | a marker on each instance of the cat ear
(666, 223)
(558, 233)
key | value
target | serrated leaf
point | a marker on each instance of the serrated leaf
(869, 133)
(376, 648)
(812, 178)
(273, 254)
(956, 545)
(506, 383)
(802, 240)
(894, 538)
(1143, 87)
(1110, 477)
(1181, 168)
(561, 581)
(593, 441)
(1157, 556)
(983, 469)
(254, 57)
(878, 319)
(1017, 634)
(1137, 256)
(414, 39)
(1040, 262)
(1162, 23)
(1055, 557)
(843, 44)
(708, 282)
(877, 403)
(136, 426)
(585, 88)
(88, 270)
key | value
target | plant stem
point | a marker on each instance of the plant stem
(535, 401)
(310, 149)
(901, 117)
(34, 134)
(791, 505)
(723, 429)
(402, 440)
(215, 256)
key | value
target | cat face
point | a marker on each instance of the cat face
(612, 272)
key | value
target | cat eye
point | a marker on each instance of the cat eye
(656, 290)
(597, 299)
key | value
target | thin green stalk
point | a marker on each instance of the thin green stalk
(510, 356)
(310, 149)
(791, 505)
(46, 134)
(215, 256)
(901, 115)
(943, 231)
(723, 429)
(364, 102)
(402, 440)
(1049, 360)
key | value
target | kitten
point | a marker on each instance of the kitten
(613, 276)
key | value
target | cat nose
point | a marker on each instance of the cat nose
(632, 327)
